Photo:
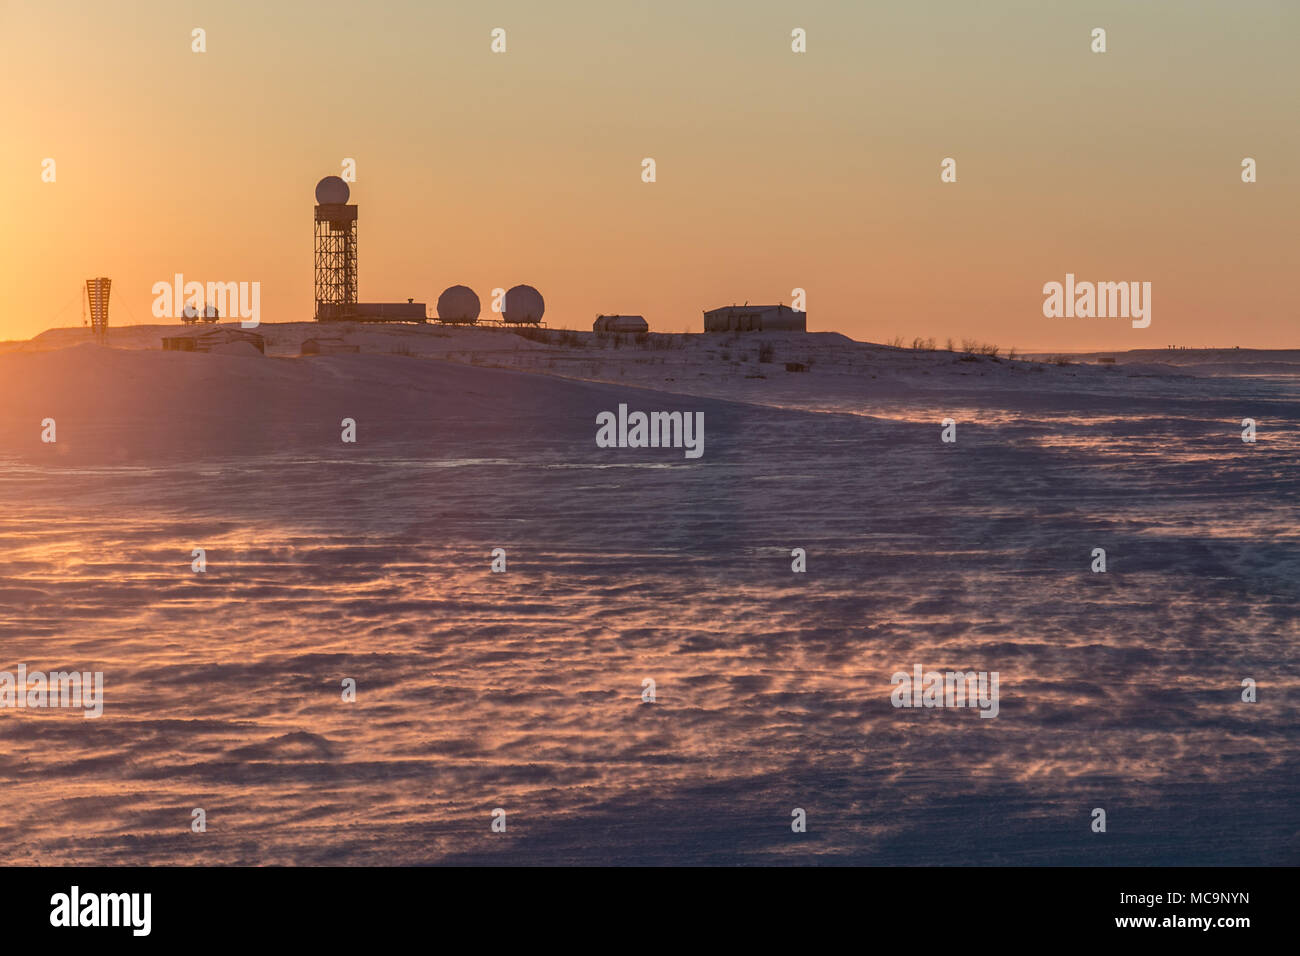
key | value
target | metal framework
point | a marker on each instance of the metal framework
(336, 255)
(97, 294)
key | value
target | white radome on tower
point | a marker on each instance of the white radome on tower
(332, 191)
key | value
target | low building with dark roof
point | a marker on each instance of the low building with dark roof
(755, 318)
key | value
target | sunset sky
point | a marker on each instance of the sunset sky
(775, 170)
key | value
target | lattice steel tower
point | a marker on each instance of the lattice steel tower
(336, 245)
(97, 295)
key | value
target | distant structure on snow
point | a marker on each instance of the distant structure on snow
(336, 264)
(371, 312)
(97, 291)
(191, 315)
(755, 318)
(620, 323)
(458, 305)
(207, 341)
(524, 305)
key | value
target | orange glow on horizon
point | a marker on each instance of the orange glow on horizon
(775, 170)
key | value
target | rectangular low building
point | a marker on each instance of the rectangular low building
(755, 318)
(620, 323)
(370, 312)
(206, 341)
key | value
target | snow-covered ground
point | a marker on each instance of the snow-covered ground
(522, 690)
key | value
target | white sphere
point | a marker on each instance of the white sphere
(524, 304)
(458, 304)
(332, 191)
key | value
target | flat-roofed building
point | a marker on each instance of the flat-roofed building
(207, 341)
(755, 318)
(407, 311)
(620, 323)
